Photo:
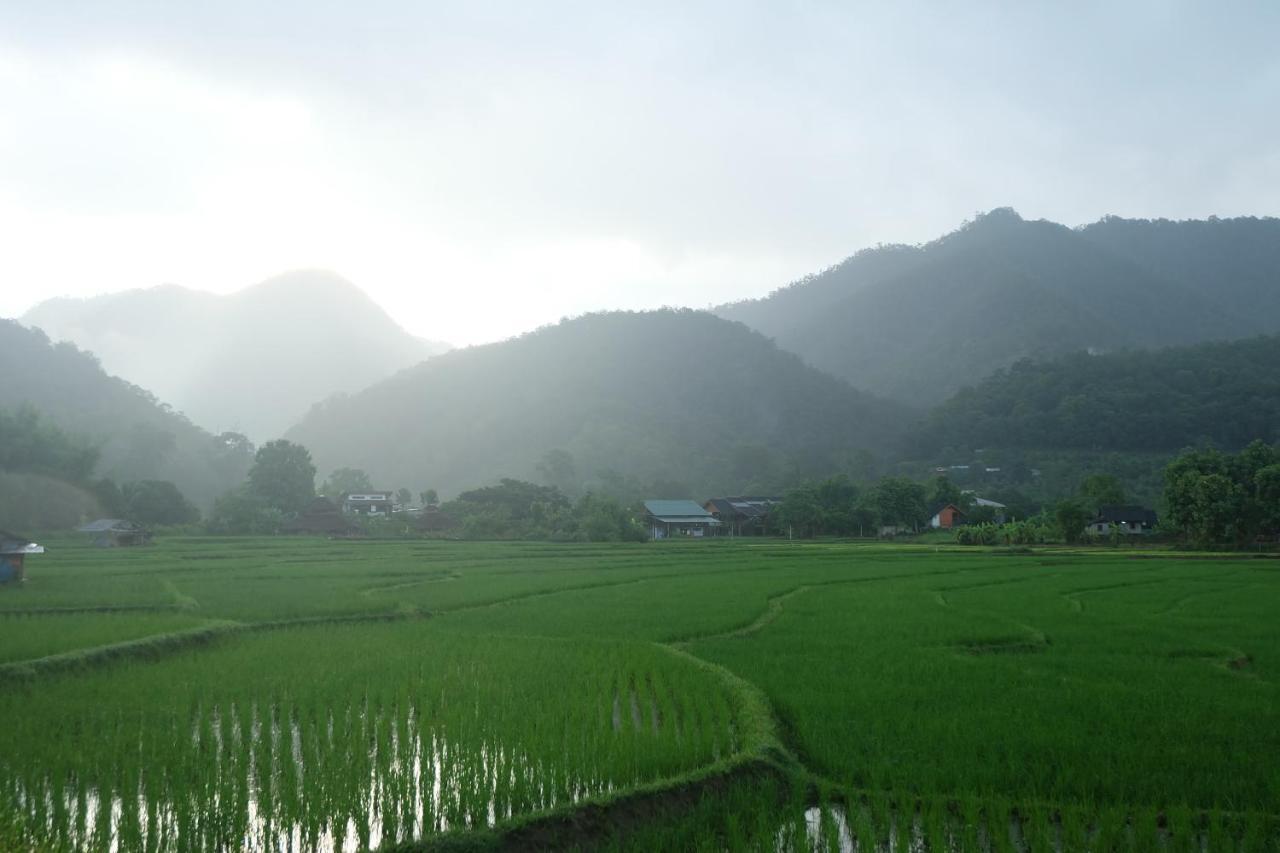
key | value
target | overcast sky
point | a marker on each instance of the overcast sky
(484, 168)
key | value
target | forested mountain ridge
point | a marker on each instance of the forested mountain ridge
(253, 361)
(917, 323)
(136, 436)
(1222, 393)
(673, 399)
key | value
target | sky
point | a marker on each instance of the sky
(481, 169)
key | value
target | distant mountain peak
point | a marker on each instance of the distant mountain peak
(253, 360)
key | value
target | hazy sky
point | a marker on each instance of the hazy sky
(483, 168)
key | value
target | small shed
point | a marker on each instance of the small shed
(116, 532)
(13, 554)
(669, 518)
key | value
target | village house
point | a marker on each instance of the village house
(1129, 520)
(13, 553)
(947, 516)
(743, 515)
(668, 518)
(116, 533)
(369, 503)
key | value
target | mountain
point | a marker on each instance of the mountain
(253, 361)
(676, 400)
(917, 323)
(137, 437)
(1225, 393)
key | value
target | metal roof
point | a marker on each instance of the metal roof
(678, 511)
(12, 543)
(103, 525)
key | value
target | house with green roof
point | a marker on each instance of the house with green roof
(669, 518)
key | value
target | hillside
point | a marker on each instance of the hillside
(253, 361)
(1160, 400)
(138, 437)
(677, 396)
(917, 323)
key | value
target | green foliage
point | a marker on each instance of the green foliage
(946, 492)
(832, 507)
(157, 502)
(32, 445)
(1071, 516)
(1102, 490)
(242, 512)
(283, 475)
(514, 509)
(1158, 400)
(1215, 497)
(901, 502)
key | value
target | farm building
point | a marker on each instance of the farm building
(947, 516)
(668, 518)
(998, 509)
(1129, 520)
(116, 532)
(368, 503)
(321, 516)
(13, 554)
(743, 515)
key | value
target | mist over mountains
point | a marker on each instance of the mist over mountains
(1006, 333)
(252, 361)
(917, 323)
(678, 397)
(136, 436)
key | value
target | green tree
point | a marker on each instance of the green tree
(403, 496)
(1071, 514)
(799, 514)
(157, 502)
(901, 502)
(946, 492)
(1102, 490)
(243, 512)
(283, 475)
(429, 497)
(1266, 483)
(345, 481)
(600, 518)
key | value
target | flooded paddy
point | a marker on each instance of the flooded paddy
(417, 732)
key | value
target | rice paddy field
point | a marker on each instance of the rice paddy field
(307, 695)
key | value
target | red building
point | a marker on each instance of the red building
(948, 516)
